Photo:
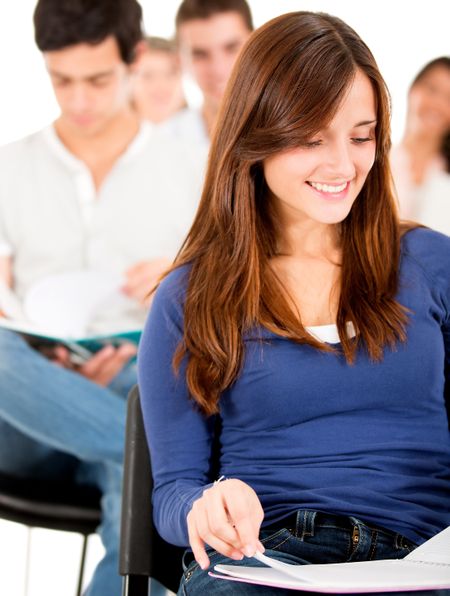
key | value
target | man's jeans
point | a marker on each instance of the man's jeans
(309, 537)
(56, 423)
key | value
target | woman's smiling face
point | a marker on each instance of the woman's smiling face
(321, 179)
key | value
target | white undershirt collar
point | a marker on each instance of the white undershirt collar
(329, 333)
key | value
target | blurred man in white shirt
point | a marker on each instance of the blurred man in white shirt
(95, 191)
(210, 34)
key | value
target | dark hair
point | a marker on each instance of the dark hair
(440, 62)
(287, 84)
(204, 9)
(62, 23)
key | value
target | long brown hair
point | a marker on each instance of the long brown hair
(440, 62)
(286, 86)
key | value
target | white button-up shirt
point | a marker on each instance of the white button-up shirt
(52, 219)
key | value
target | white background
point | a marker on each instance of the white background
(402, 35)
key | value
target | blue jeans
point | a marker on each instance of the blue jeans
(306, 537)
(56, 423)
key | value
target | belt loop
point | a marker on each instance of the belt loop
(184, 562)
(305, 524)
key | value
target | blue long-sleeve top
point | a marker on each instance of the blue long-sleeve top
(307, 430)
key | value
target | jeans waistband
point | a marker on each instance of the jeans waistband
(306, 522)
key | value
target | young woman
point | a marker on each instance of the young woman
(302, 318)
(421, 162)
(157, 90)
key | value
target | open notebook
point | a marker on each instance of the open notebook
(426, 568)
(59, 309)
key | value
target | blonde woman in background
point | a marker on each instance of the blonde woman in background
(157, 91)
(421, 162)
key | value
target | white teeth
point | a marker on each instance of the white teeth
(328, 187)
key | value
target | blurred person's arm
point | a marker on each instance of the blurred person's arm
(5, 274)
(6, 270)
(142, 277)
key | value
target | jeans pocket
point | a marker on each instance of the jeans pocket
(405, 548)
(275, 540)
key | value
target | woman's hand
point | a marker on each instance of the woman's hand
(227, 517)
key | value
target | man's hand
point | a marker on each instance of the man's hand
(227, 517)
(107, 363)
(142, 278)
(102, 367)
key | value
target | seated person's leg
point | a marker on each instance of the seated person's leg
(58, 407)
(108, 477)
(22, 456)
(58, 422)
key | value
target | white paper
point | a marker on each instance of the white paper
(428, 567)
(65, 304)
(434, 550)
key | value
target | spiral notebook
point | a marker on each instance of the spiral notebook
(426, 568)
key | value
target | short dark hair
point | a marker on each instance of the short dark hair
(62, 23)
(204, 9)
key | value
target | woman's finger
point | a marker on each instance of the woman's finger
(246, 514)
(196, 543)
(219, 522)
(205, 535)
(213, 541)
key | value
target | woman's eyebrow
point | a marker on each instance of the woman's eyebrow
(365, 123)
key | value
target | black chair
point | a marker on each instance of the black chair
(143, 553)
(53, 505)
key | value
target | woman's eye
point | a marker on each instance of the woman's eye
(361, 140)
(313, 143)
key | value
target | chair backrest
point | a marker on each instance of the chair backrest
(52, 504)
(143, 553)
(55, 504)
